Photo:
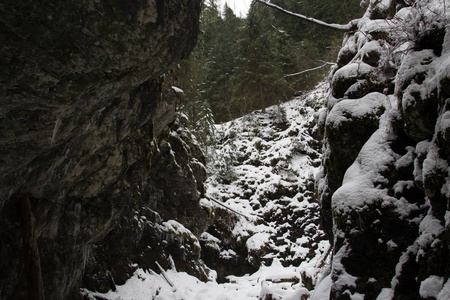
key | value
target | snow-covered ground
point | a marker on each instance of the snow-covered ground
(263, 169)
(175, 285)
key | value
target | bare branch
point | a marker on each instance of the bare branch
(346, 27)
(229, 208)
(308, 70)
(165, 277)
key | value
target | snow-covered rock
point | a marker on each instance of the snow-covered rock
(385, 193)
(263, 171)
(265, 240)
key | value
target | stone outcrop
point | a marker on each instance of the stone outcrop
(86, 116)
(385, 190)
(162, 224)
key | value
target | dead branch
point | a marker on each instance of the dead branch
(308, 70)
(229, 208)
(345, 27)
(165, 277)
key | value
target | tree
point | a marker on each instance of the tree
(221, 60)
(314, 41)
(263, 53)
(240, 65)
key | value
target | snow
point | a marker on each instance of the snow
(430, 287)
(406, 159)
(359, 184)
(322, 291)
(210, 240)
(429, 229)
(281, 282)
(352, 70)
(344, 278)
(445, 292)
(386, 294)
(378, 25)
(414, 63)
(363, 180)
(446, 45)
(257, 241)
(205, 203)
(368, 49)
(263, 169)
(348, 45)
(354, 108)
(435, 164)
(435, 8)
(177, 230)
(177, 90)
(391, 244)
(264, 165)
(421, 78)
(443, 122)
(271, 158)
(227, 254)
(411, 250)
(402, 185)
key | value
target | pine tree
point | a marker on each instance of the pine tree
(240, 65)
(222, 58)
(264, 54)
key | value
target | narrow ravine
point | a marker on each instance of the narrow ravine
(265, 240)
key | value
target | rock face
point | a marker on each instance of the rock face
(385, 190)
(86, 115)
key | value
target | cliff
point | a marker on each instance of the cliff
(88, 135)
(385, 188)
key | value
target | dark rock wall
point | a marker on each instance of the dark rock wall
(83, 119)
(142, 237)
(385, 192)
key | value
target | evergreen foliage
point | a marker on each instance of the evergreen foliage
(240, 65)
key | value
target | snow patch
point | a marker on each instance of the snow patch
(431, 287)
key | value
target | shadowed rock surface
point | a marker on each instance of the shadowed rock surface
(85, 119)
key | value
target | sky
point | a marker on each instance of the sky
(240, 7)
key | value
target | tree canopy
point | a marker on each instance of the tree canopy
(243, 64)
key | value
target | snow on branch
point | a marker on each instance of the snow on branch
(346, 27)
(308, 70)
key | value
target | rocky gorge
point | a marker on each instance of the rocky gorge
(100, 177)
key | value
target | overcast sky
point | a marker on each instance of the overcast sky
(240, 7)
